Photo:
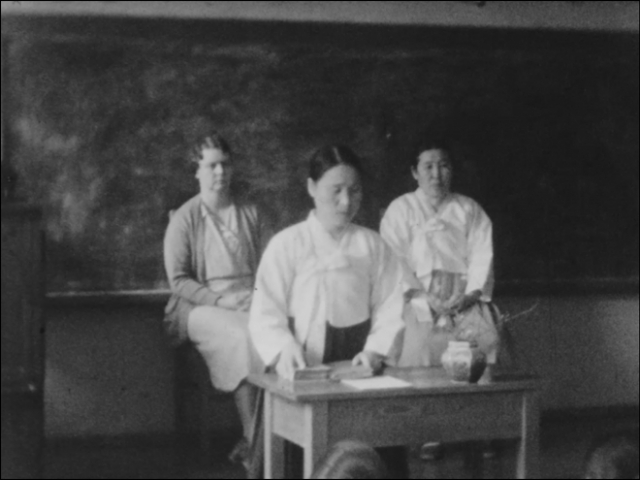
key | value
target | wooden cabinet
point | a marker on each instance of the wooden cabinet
(22, 342)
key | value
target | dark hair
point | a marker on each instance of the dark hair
(433, 142)
(350, 459)
(210, 140)
(613, 456)
(327, 157)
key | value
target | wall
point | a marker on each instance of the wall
(586, 348)
(110, 372)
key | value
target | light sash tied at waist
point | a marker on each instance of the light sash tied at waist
(439, 267)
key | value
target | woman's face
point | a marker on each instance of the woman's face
(337, 196)
(214, 171)
(434, 173)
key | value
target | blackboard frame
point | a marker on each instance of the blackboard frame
(127, 31)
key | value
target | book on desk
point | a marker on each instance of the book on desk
(336, 371)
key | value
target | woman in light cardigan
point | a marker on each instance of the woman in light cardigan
(211, 250)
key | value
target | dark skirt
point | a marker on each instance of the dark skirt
(342, 343)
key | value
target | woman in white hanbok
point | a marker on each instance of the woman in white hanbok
(326, 289)
(444, 242)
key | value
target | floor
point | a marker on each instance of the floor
(564, 440)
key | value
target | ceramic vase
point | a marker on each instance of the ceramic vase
(464, 362)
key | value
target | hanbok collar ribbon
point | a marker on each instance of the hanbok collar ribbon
(424, 251)
(423, 245)
(314, 329)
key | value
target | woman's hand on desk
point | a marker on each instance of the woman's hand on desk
(369, 359)
(291, 359)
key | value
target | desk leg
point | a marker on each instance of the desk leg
(530, 437)
(316, 419)
(273, 444)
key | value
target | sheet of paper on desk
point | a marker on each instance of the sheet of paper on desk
(377, 383)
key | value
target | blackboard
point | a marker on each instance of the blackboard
(545, 136)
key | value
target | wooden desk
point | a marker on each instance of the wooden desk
(315, 415)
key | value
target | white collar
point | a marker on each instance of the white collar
(427, 202)
(320, 233)
(204, 211)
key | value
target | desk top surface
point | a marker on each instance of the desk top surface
(424, 381)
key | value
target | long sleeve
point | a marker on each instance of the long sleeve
(394, 229)
(480, 254)
(387, 302)
(178, 263)
(268, 320)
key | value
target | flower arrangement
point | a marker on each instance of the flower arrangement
(507, 356)
(485, 325)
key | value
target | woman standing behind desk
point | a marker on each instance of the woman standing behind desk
(444, 241)
(326, 289)
(211, 250)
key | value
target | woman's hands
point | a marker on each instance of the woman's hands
(412, 292)
(461, 305)
(466, 302)
(291, 359)
(369, 359)
(240, 301)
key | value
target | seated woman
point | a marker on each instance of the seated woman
(326, 289)
(350, 459)
(212, 248)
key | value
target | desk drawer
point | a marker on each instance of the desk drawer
(413, 420)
